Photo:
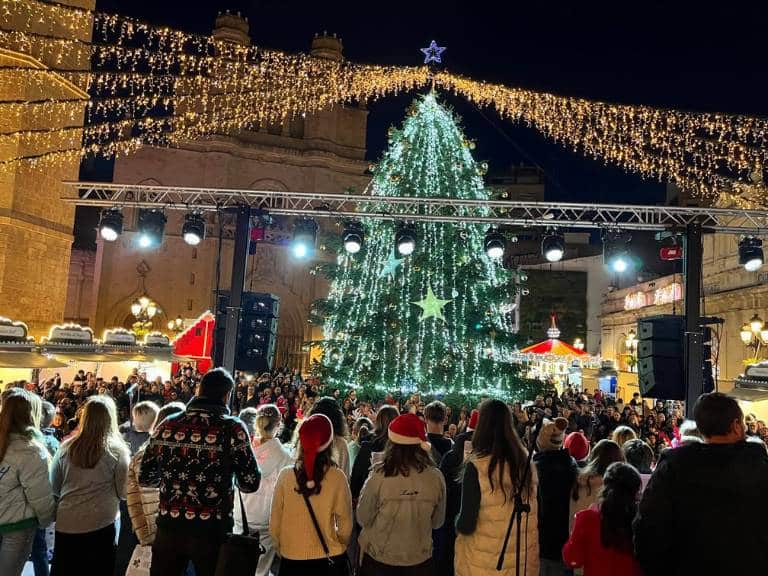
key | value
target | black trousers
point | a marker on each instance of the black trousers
(89, 552)
(173, 551)
(371, 567)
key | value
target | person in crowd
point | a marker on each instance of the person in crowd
(88, 477)
(373, 446)
(590, 478)
(405, 491)
(689, 433)
(40, 553)
(577, 445)
(436, 416)
(136, 433)
(330, 407)
(623, 434)
(263, 425)
(601, 542)
(142, 503)
(639, 454)
(556, 471)
(192, 457)
(26, 496)
(453, 430)
(361, 432)
(703, 509)
(494, 473)
(311, 518)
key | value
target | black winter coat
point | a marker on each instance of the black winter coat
(703, 512)
(557, 473)
(363, 463)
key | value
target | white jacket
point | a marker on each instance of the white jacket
(25, 486)
(272, 458)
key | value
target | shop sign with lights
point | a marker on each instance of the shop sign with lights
(119, 337)
(11, 331)
(156, 339)
(668, 294)
(70, 334)
(635, 300)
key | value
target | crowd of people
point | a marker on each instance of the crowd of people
(159, 473)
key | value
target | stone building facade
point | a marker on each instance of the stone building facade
(324, 152)
(35, 225)
(730, 292)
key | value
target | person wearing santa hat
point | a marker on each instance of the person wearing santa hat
(316, 484)
(400, 504)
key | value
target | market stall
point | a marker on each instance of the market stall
(196, 342)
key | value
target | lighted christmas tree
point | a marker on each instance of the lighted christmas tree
(439, 319)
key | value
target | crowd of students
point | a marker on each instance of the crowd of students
(338, 485)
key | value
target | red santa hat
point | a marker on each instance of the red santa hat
(409, 430)
(577, 445)
(315, 435)
(473, 420)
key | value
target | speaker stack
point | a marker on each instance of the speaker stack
(257, 332)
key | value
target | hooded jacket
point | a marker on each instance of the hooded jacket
(25, 487)
(703, 512)
(272, 458)
(398, 514)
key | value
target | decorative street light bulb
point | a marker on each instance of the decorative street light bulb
(578, 344)
(144, 301)
(136, 308)
(756, 324)
(764, 336)
(151, 309)
(746, 334)
(631, 339)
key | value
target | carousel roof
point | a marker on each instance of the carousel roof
(553, 346)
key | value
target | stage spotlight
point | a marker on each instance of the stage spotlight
(111, 224)
(405, 239)
(193, 229)
(751, 253)
(304, 236)
(553, 247)
(151, 227)
(617, 255)
(353, 236)
(494, 243)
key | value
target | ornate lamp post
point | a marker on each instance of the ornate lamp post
(578, 344)
(176, 326)
(754, 335)
(631, 344)
(144, 309)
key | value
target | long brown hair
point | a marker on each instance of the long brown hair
(400, 459)
(495, 436)
(18, 415)
(97, 433)
(323, 461)
(384, 418)
(604, 453)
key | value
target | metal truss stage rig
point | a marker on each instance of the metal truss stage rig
(360, 206)
(688, 222)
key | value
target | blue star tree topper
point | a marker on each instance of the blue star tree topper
(433, 53)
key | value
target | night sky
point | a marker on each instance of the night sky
(669, 54)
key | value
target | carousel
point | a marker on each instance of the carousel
(556, 361)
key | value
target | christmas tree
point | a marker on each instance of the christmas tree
(438, 320)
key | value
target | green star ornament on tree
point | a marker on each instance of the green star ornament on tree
(432, 306)
(391, 266)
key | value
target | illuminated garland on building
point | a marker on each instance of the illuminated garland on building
(159, 86)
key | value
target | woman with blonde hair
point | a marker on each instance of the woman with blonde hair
(263, 425)
(622, 435)
(25, 488)
(89, 480)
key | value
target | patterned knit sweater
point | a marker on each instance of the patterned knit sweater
(192, 457)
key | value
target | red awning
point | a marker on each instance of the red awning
(196, 342)
(553, 346)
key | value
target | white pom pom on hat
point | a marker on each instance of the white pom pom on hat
(409, 430)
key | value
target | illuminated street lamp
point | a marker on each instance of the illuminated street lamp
(144, 309)
(754, 335)
(578, 344)
(176, 326)
(631, 344)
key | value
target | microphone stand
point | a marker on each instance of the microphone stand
(520, 506)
